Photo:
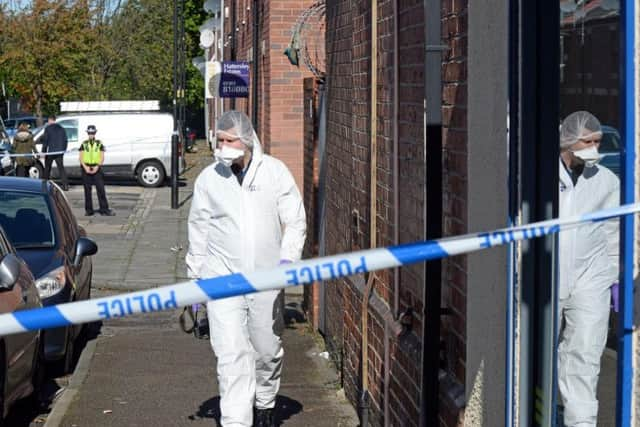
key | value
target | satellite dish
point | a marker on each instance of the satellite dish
(568, 6)
(206, 38)
(212, 6)
(610, 4)
(210, 24)
(199, 62)
(212, 79)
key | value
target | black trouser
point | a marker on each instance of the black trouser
(22, 170)
(96, 179)
(59, 159)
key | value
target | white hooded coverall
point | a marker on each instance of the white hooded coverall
(588, 266)
(240, 228)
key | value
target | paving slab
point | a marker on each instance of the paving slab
(143, 370)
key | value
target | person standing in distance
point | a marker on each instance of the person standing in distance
(24, 146)
(246, 215)
(588, 266)
(91, 160)
(55, 141)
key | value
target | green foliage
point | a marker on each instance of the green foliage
(44, 49)
(60, 50)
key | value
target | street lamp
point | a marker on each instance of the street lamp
(178, 35)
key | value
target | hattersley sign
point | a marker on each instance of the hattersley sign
(234, 82)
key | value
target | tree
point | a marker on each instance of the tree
(45, 51)
(194, 16)
(138, 49)
(61, 50)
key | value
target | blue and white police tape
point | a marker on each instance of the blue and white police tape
(299, 273)
(77, 149)
(47, 153)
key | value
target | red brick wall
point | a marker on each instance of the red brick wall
(280, 84)
(339, 172)
(284, 86)
(349, 189)
(454, 109)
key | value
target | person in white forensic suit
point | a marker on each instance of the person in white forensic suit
(588, 266)
(246, 214)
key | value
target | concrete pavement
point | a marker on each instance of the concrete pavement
(143, 370)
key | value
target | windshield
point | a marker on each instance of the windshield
(610, 142)
(26, 219)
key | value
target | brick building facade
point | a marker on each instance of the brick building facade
(368, 184)
(280, 84)
(394, 362)
(395, 174)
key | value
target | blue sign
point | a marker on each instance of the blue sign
(234, 82)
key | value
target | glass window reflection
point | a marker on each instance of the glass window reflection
(591, 159)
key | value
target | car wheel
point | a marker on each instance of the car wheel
(64, 366)
(150, 173)
(36, 171)
(38, 373)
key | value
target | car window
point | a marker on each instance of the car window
(4, 246)
(71, 128)
(10, 123)
(610, 143)
(26, 218)
(67, 219)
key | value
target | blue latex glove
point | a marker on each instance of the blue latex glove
(615, 297)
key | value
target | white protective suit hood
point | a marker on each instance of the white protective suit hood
(577, 126)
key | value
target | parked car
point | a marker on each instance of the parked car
(5, 148)
(11, 124)
(138, 144)
(21, 371)
(45, 233)
(610, 149)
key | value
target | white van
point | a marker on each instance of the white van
(137, 144)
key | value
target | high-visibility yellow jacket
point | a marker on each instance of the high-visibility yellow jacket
(91, 152)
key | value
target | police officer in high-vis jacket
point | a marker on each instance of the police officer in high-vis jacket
(91, 160)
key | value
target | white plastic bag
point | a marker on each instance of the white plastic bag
(5, 161)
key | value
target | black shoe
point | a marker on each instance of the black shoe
(108, 212)
(88, 213)
(264, 418)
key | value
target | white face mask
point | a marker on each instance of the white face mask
(589, 155)
(226, 155)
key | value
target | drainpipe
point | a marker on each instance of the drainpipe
(220, 57)
(364, 396)
(396, 197)
(233, 42)
(396, 220)
(432, 212)
(256, 56)
(206, 101)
